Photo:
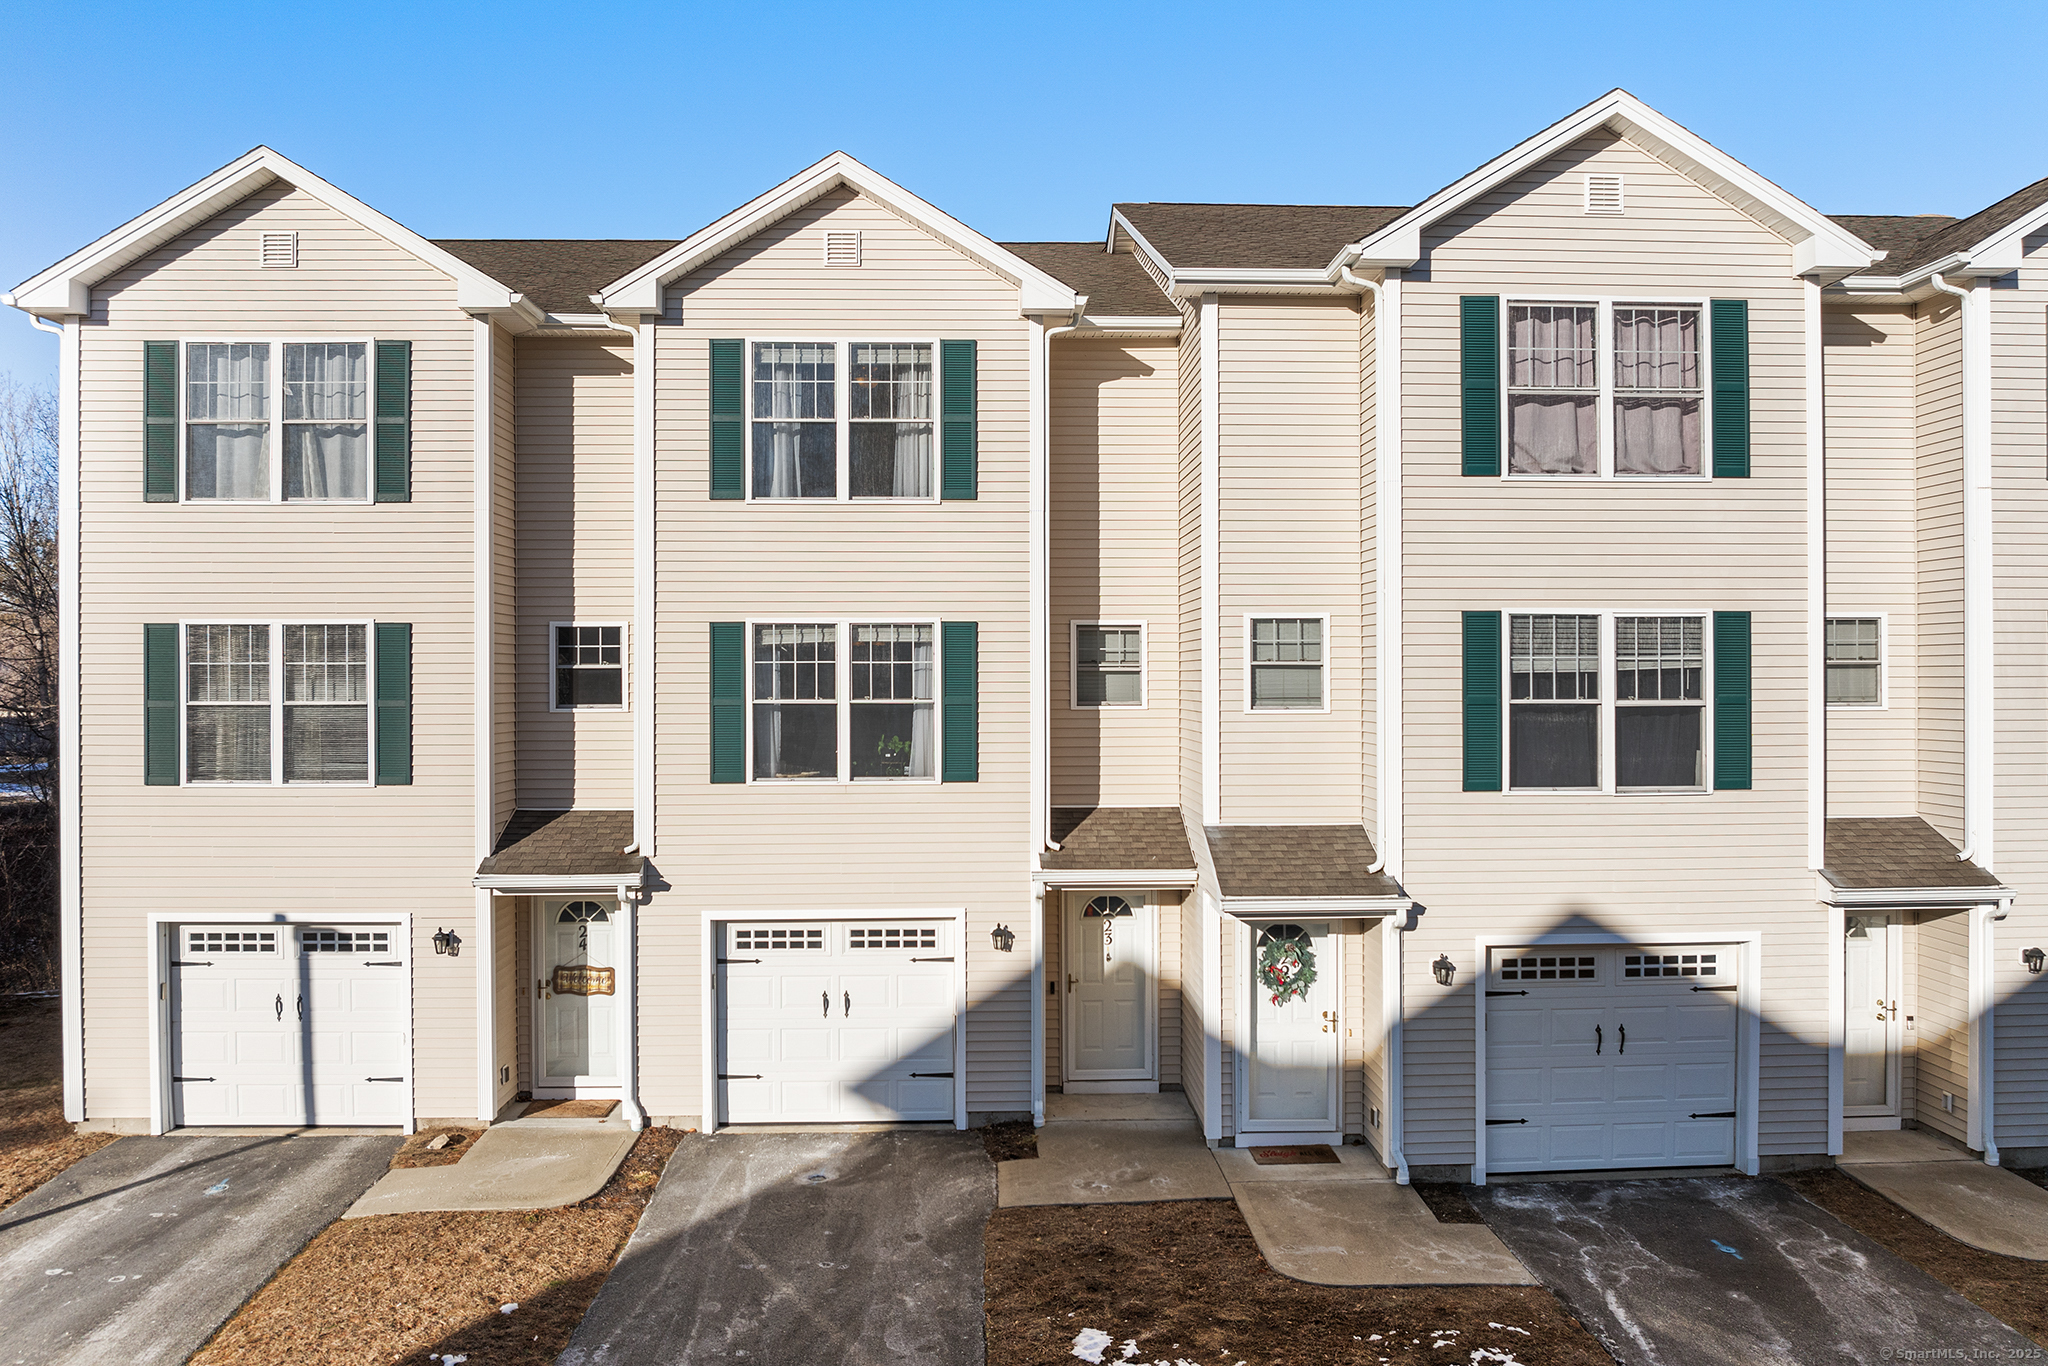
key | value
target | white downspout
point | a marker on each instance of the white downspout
(629, 989)
(1387, 555)
(1978, 680)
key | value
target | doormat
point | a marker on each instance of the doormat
(575, 1109)
(1293, 1157)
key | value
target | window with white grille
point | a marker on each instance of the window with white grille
(1550, 967)
(894, 938)
(778, 939)
(1603, 194)
(842, 248)
(344, 941)
(1639, 965)
(231, 941)
(280, 250)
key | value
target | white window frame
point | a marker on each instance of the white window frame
(626, 673)
(274, 452)
(842, 406)
(1884, 663)
(1074, 628)
(842, 682)
(1245, 679)
(276, 627)
(1608, 702)
(1603, 406)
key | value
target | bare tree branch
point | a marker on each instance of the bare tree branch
(28, 586)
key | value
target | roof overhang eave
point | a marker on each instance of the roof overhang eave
(1317, 905)
(1909, 897)
(1080, 878)
(515, 884)
(1191, 282)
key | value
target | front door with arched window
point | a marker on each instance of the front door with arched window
(576, 987)
(1109, 989)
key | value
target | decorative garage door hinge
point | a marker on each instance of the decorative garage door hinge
(1491, 1122)
(183, 963)
(739, 960)
(1712, 1114)
(931, 1074)
(383, 1078)
(191, 1078)
(386, 963)
(1507, 993)
(1729, 987)
(946, 959)
(739, 1076)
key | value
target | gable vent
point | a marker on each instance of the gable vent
(842, 248)
(280, 250)
(1603, 194)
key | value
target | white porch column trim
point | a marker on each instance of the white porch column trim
(1816, 593)
(1838, 1021)
(629, 894)
(1392, 1010)
(70, 796)
(1388, 537)
(1212, 1032)
(643, 642)
(1981, 1132)
(1211, 571)
(1038, 901)
(483, 474)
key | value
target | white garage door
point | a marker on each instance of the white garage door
(1611, 1057)
(836, 1021)
(288, 1025)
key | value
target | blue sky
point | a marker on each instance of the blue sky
(638, 120)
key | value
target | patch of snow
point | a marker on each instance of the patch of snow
(1130, 1349)
(56, 1271)
(1090, 1343)
(1510, 1328)
(1485, 1354)
(507, 1308)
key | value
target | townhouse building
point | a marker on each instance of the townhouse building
(1546, 678)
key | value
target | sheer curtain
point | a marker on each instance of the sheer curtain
(921, 715)
(1552, 348)
(227, 719)
(1657, 387)
(795, 432)
(326, 412)
(227, 411)
(891, 407)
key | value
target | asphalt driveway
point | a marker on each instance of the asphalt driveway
(1726, 1269)
(802, 1250)
(139, 1252)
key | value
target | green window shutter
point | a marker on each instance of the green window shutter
(1479, 365)
(160, 423)
(1482, 702)
(728, 424)
(160, 705)
(394, 423)
(1729, 321)
(960, 661)
(1731, 701)
(728, 701)
(957, 443)
(394, 704)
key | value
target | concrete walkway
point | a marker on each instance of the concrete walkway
(1114, 1150)
(1934, 1180)
(818, 1249)
(139, 1252)
(521, 1164)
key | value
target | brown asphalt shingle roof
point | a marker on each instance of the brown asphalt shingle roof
(564, 842)
(1145, 837)
(1915, 249)
(1895, 851)
(559, 274)
(1277, 236)
(1116, 285)
(1296, 860)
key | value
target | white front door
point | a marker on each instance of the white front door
(824, 1022)
(1870, 1043)
(578, 1024)
(1109, 988)
(287, 1025)
(1293, 1054)
(1611, 1057)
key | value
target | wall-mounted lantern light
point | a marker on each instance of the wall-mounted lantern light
(448, 942)
(2033, 958)
(1005, 940)
(1446, 971)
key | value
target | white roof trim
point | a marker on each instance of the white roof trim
(1820, 245)
(1115, 877)
(514, 884)
(66, 288)
(1914, 896)
(1189, 282)
(1317, 905)
(641, 291)
(2005, 251)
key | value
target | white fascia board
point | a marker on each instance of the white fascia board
(1914, 282)
(1317, 905)
(517, 884)
(1114, 877)
(1092, 326)
(1903, 897)
(2005, 250)
(1831, 248)
(66, 286)
(1191, 282)
(641, 291)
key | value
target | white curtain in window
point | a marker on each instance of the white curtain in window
(227, 404)
(1656, 435)
(921, 720)
(327, 409)
(1551, 346)
(1553, 434)
(793, 382)
(913, 460)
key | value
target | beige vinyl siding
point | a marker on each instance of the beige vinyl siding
(1198, 986)
(1192, 607)
(504, 579)
(860, 849)
(2019, 449)
(1114, 559)
(1230, 961)
(527, 987)
(1056, 1000)
(507, 919)
(1941, 1052)
(1938, 462)
(1287, 381)
(576, 560)
(1170, 976)
(1368, 1036)
(1872, 765)
(1650, 866)
(307, 850)
(1351, 1010)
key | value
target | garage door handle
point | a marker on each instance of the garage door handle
(1729, 987)
(931, 1074)
(280, 1005)
(1491, 1122)
(383, 1078)
(825, 999)
(848, 1009)
(1623, 1030)
(191, 1078)
(1712, 1114)
(302, 1007)
(1599, 1039)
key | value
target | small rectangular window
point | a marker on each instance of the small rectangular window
(227, 704)
(796, 420)
(1855, 662)
(590, 667)
(1554, 702)
(1287, 664)
(796, 700)
(326, 704)
(1109, 666)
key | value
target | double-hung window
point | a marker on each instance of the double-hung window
(269, 420)
(864, 716)
(590, 667)
(1285, 664)
(277, 702)
(1600, 702)
(837, 420)
(1109, 665)
(1855, 662)
(1605, 388)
